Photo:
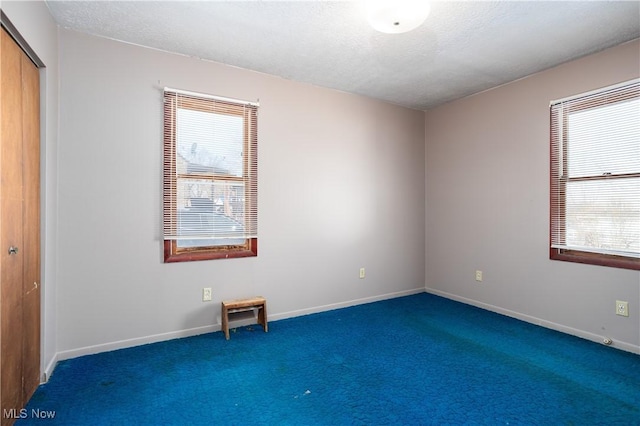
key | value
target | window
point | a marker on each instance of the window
(210, 194)
(595, 177)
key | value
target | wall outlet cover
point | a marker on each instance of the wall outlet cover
(206, 294)
(622, 308)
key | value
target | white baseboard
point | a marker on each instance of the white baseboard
(122, 344)
(48, 369)
(332, 306)
(128, 343)
(625, 346)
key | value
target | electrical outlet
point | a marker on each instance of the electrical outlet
(361, 273)
(478, 275)
(206, 294)
(622, 308)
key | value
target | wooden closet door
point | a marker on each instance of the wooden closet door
(19, 227)
(11, 272)
(31, 227)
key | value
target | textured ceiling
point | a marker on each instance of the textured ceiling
(462, 48)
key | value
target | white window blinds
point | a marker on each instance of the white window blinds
(595, 171)
(210, 170)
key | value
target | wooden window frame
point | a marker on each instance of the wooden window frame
(558, 198)
(172, 252)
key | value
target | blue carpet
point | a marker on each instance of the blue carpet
(413, 360)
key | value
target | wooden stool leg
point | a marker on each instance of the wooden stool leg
(225, 322)
(262, 317)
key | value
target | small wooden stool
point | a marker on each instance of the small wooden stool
(243, 305)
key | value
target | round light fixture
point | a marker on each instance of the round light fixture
(397, 16)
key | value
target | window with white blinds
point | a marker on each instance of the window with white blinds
(210, 193)
(595, 177)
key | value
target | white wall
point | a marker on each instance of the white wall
(341, 182)
(487, 192)
(36, 26)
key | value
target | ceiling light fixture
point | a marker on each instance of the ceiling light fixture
(397, 16)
